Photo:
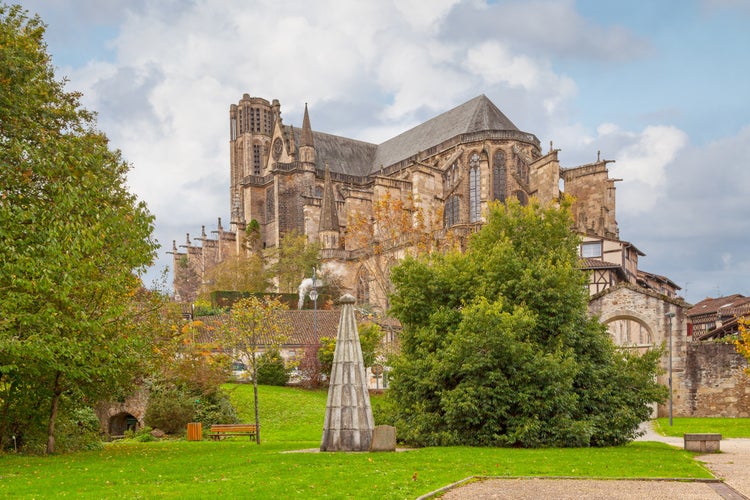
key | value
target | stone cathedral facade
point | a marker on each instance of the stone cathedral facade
(286, 178)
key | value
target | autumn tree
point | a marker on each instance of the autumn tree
(396, 227)
(73, 241)
(742, 342)
(295, 258)
(255, 324)
(498, 348)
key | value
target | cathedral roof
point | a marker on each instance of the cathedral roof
(352, 157)
(343, 155)
(473, 116)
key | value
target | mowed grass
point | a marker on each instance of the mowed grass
(727, 427)
(292, 420)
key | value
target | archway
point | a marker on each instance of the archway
(122, 422)
(630, 332)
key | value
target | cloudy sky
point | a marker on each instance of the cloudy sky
(660, 87)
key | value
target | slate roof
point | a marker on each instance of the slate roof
(473, 116)
(341, 154)
(358, 158)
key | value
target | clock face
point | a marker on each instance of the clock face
(277, 148)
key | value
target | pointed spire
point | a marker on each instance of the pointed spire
(329, 217)
(307, 138)
(348, 423)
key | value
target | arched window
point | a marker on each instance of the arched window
(474, 189)
(499, 176)
(451, 215)
(363, 286)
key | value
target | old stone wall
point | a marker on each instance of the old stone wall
(715, 383)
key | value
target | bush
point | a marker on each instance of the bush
(271, 369)
(77, 430)
(170, 409)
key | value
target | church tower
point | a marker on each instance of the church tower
(251, 123)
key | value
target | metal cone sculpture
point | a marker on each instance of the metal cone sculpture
(348, 423)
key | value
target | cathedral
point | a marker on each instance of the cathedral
(286, 178)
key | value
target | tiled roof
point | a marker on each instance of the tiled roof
(306, 326)
(589, 263)
(729, 304)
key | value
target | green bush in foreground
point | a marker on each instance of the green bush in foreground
(498, 348)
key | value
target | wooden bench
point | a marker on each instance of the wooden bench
(219, 431)
(704, 443)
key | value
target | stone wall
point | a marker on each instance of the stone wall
(715, 383)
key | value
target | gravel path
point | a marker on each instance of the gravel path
(732, 466)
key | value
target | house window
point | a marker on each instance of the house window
(451, 211)
(474, 189)
(591, 249)
(498, 176)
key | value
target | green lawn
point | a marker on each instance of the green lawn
(292, 420)
(727, 427)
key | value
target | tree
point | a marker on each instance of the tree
(370, 337)
(498, 348)
(395, 228)
(742, 342)
(255, 323)
(296, 258)
(73, 242)
(244, 273)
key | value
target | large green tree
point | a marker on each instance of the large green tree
(498, 348)
(73, 241)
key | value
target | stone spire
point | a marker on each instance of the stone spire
(307, 146)
(348, 422)
(328, 231)
(307, 138)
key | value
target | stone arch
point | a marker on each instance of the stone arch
(630, 330)
(121, 422)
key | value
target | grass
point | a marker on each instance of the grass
(727, 427)
(292, 420)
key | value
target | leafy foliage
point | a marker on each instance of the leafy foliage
(271, 369)
(498, 349)
(742, 342)
(73, 242)
(296, 256)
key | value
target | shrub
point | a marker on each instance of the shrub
(170, 409)
(271, 369)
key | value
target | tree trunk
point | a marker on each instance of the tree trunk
(56, 392)
(255, 396)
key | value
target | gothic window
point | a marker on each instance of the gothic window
(270, 205)
(451, 176)
(474, 189)
(522, 197)
(363, 287)
(256, 159)
(499, 176)
(451, 215)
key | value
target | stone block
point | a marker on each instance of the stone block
(704, 443)
(383, 438)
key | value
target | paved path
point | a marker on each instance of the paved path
(732, 465)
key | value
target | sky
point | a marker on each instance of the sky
(660, 87)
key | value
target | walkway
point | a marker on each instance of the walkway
(732, 466)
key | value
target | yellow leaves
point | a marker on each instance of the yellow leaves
(742, 344)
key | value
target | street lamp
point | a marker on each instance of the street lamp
(670, 315)
(314, 296)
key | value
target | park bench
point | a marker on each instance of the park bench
(219, 431)
(705, 443)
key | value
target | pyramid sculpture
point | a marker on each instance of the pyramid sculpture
(348, 422)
